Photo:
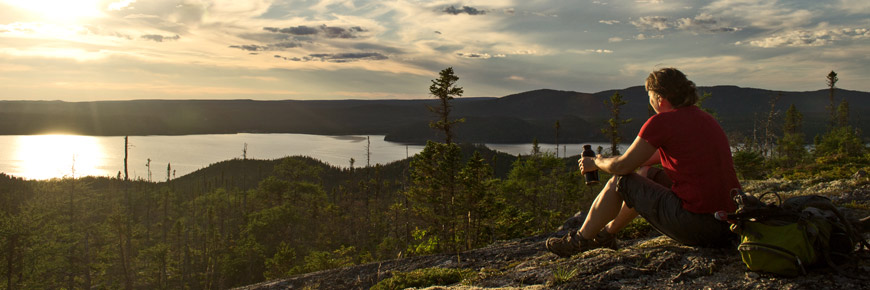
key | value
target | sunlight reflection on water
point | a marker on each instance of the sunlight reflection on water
(57, 156)
(47, 156)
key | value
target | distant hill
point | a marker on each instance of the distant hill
(517, 118)
(247, 174)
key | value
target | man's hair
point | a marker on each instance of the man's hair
(672, 84)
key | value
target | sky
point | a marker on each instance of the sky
(93, 50)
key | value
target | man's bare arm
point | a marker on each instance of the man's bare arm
(656, 158)
(639, 153)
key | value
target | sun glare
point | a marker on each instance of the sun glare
(59, 10)
(47, 156)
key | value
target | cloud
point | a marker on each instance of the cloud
(701, 23)
(591, 51)
(525, 52)
(465, 9)
(116, 6)
(324, 30)
(337, 57)
(809, 38)
(364, 46)
(516, 78)
(650, 1)
(338, 32)
(614, 39)
(609, 22)
(20, 27)
(642, 36)
(854, 6)
(272, 47)
(159, 38)
(724, 65)
(261, 78)
(647, 23)
(251, 47)
(764, 14)
(298, 30)
(100, 31)
(704, 23)
(478, 55)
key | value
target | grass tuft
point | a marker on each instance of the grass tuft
(563, 274)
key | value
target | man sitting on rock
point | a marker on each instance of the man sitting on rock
(680, 201)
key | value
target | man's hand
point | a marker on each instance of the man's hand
(587, 164)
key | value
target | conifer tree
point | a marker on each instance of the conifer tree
(841, 138)
(611, 131)
(444, 88)
(536, 148)
(791, 145)
(843, 114)
(769, 135)
(700, 104)
(832, 82)
(557, 138)
(433, 195)
(477, 201)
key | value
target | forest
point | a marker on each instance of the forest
(243, 221)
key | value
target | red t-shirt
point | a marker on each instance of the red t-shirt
(696, 156)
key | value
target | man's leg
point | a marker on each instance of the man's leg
(604, 209)
(664, 212)
(626, 215)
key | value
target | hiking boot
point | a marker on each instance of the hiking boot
(606, 240)
(570, 244)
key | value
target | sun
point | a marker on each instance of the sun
(47, 156)
(59, 10)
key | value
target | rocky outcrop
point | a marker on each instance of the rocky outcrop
(648, 262)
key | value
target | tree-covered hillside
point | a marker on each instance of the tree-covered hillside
(243, 221)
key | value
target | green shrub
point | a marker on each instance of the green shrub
(839, 141)
(423, 278)
(749, 164)
(828, 167)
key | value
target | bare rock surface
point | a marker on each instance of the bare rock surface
(650, 262)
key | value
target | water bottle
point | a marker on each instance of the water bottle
(591, 176)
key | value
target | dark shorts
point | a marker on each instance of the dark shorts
(653, 199)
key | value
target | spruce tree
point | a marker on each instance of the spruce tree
(791, 145)
(611, 131)
(444, 88)
(832, 82)
(843, 114)
(434, 191)
(700, 104)
(557, 138)
(841, 138)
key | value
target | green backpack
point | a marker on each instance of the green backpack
(788, 237)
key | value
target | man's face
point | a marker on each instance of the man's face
(654, 101)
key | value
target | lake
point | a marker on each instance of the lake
(57, 156)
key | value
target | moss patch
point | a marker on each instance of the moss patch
(657, 242)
